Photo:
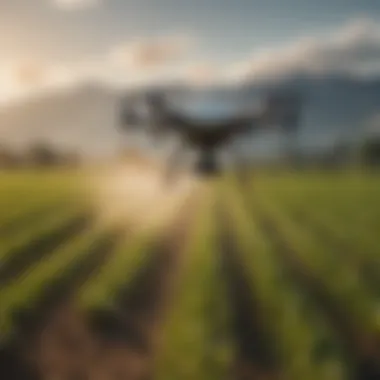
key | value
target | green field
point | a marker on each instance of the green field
(273, 277)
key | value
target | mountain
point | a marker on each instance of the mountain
(336, 103)
(85, 118)
(335, 108)
(82, 119)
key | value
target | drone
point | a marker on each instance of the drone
(154, 112)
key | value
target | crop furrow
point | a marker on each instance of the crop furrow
(21, 258)
(255, 357)
(362, 349)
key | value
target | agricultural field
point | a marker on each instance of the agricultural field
(116, 275)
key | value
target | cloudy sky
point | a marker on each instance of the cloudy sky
(54, 42)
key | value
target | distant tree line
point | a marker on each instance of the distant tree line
(340, 155)
(370, 152)
(365, 153)
(38, 155)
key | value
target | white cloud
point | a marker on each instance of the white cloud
(26, 78)
(75, 4)
(353, 48)
(150, 54)
(202, 73)
(20, 78)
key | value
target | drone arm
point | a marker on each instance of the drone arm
(177, 122)
(238, 125)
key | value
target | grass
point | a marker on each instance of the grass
(307, 244)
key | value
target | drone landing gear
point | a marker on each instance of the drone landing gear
(207, 164)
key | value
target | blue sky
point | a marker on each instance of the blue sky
(224, 31)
